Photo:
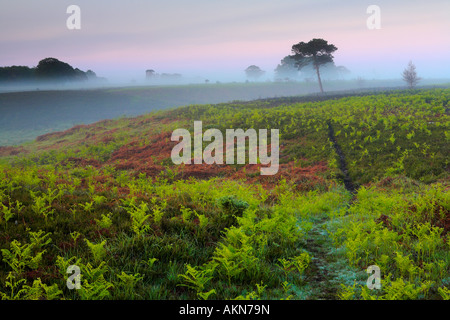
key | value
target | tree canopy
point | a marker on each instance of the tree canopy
(316, 52)
(16, 73)
(48, 69)
(52, 69)
(287, 69)
(254, 72)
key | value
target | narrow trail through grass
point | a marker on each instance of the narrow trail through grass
(349, 185)
(325, 270)
(320, 276)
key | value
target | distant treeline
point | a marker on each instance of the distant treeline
(48, 69)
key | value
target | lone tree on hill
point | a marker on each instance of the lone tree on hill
(410, 75)
(316, 52)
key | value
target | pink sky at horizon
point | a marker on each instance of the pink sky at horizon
(122, 39)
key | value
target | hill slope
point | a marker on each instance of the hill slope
(107, 198)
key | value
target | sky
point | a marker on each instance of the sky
(219, 39)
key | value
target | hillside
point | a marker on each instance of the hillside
(363, 181)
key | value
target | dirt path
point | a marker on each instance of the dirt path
(349, 185)
(324, 271)
(321, 277)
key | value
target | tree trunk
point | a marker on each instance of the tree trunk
(318, 77)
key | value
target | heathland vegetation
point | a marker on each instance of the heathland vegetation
(363, 181)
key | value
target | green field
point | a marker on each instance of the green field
(363, 180)
(26, 115)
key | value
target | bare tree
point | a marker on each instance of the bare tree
(410, 75)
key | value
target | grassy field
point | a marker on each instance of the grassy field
(363, 181)
(26, 115)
